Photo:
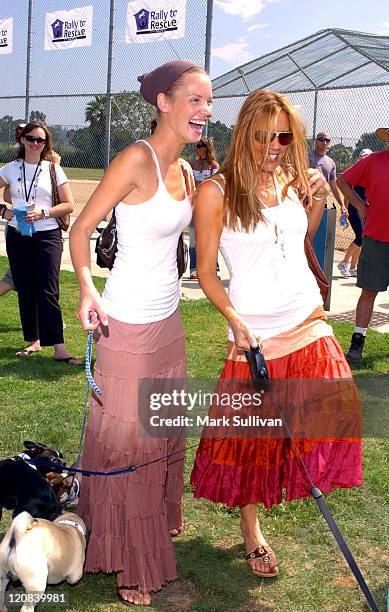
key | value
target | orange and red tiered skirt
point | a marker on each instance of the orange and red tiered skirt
(237, 471)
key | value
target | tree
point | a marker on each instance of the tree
(7, 129)
(341, 155)
(221, 136)
(368, 140)
(37, 116)
(130, 121)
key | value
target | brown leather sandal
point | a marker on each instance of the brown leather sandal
(265, 554)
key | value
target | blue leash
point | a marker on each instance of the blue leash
(89, 383)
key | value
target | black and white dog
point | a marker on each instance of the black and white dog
(23, 487)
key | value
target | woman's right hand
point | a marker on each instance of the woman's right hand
(243, 334)
(90, 311)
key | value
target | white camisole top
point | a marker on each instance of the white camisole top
(271, 285)
(143, 285)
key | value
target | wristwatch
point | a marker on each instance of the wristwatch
(45, 213)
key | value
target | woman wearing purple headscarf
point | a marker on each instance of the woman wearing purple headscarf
(139, 334)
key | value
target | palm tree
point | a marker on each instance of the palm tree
(95, 113)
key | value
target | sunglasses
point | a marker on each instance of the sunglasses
(322, 139)
(284, 138)
(36, 139)
(201, 145)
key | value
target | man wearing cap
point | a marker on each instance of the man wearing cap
(372, 173)
(318, 158)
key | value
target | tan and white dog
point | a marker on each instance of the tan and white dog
(39, 552)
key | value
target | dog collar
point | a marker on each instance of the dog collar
(73, 524)
(26, 458)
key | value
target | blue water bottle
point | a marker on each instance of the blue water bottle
(343, 220)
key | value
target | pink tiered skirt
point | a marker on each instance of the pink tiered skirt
(130, 515)
(239, 471)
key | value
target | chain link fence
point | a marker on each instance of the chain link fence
(68, 87)
(350, 116)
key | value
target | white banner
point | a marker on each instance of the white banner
(68, 29)
(151, 20)
(6, 30)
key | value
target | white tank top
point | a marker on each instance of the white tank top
(143, 285)
(271, 285)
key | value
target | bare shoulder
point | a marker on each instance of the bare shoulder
(185, 164)
(135, 156)
(210, 194)
(214, 187)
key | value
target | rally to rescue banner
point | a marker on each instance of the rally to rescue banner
(68, 29)
(151, 20)
(6, 29)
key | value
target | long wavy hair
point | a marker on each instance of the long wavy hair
(242, 167)
(20, 154)
(211, 153)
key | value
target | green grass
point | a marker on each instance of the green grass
(42, 400)
(90, 174)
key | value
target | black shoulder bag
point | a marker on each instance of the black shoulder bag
(107, 246)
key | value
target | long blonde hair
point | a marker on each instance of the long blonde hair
(260, 110)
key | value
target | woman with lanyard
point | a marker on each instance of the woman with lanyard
(255, 209)
(35, 254)
(139, 334)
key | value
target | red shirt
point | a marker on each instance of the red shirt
(372, 172)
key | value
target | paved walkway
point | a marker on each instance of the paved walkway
(344, 295)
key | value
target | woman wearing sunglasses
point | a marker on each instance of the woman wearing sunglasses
(255, 210)
(35, 256)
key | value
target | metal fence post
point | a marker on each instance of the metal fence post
(208, 40)
(108, 100)
(28, 62)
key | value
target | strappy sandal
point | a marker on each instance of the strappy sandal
(265, 554)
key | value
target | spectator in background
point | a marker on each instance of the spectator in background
(356, 222)
(7, 283)
(371, 172)
(203, 167)
(318, 158)
(35, 260)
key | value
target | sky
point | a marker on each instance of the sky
(242, 30)
(246, 29)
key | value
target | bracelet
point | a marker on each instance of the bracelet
(319, 198)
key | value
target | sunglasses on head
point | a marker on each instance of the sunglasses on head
(284, 138)
(201, 145)
(36, 139)
(323, 139)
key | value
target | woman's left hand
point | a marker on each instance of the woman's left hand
(319, 186)
(35, 214)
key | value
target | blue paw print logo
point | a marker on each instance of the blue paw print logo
(142, 20)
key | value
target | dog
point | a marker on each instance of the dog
(39, 552)
(23, 487)
(37, 450)
(65, 486)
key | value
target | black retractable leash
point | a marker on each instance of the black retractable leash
(260, 377)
